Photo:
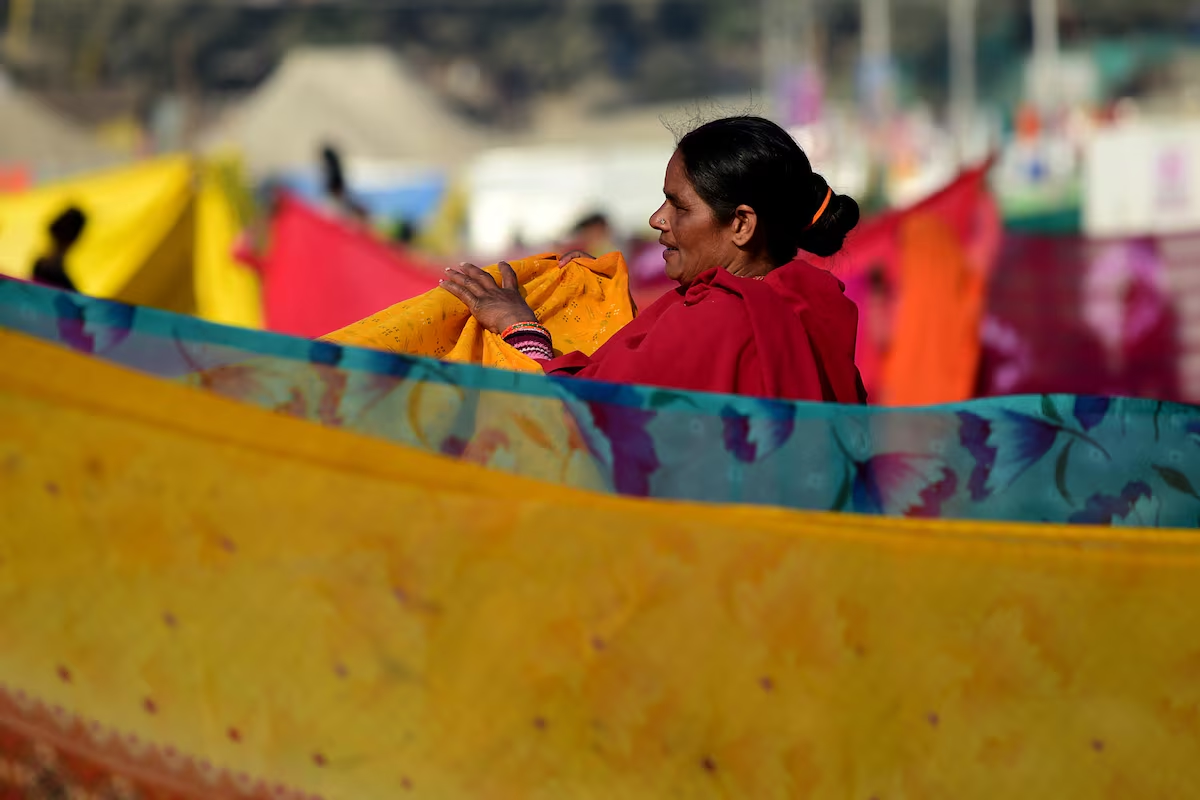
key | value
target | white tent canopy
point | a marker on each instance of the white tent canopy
(361, 99)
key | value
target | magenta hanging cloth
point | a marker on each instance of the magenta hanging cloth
(320, 274)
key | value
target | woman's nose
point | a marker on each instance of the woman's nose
(658, 221)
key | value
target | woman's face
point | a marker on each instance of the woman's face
(694, 239)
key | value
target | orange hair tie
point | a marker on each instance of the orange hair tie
(821, 210)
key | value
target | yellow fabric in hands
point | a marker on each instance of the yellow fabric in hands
(373, 620)
(582, 303)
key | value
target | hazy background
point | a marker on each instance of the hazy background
(484, 129)
(402, 84)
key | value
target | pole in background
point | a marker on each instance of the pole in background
(778, 54)
(791, 62)
(876, 65)
(1045, 77)
(877, 29)
(770, 51)
(963, 76)
(20, 27)
(1045, 28)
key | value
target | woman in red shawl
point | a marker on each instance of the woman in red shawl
(747, 318)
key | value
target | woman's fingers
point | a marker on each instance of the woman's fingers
(508, 277)
(459, 291)
(466, 283)
(477, 276)
(470, 284)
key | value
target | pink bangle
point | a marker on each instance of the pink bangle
(525, 327)
(531, 339)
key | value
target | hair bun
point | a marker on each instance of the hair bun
(752, 161)
(826, 235)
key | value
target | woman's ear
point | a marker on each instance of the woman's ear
(745, 223)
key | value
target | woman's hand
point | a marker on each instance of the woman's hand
(494, 307)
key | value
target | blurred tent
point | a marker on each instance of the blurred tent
(40, 140)
(159, 233)
(361, 99)
(580, 119)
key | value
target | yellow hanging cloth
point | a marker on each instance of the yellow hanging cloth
(137, 246)
(227, 292)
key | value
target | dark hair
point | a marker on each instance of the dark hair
(67, 227)
(752, 161)
(595, 218)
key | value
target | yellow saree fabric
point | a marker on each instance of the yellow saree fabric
(202, 586)
(582, 303)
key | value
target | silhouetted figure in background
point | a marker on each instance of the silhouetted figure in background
(404, 232)
(336, 191)
(592, 235)
(65, 230)
(878, 312)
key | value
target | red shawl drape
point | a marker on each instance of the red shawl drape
(790, 336)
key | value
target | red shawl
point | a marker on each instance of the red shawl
(790, 336)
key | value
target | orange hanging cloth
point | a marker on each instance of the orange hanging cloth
(933, 356)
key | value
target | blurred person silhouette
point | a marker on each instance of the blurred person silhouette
(592, 235)
(51, 268)
(877, 297)
(337, 193)
(404, 232)
(877, 311)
